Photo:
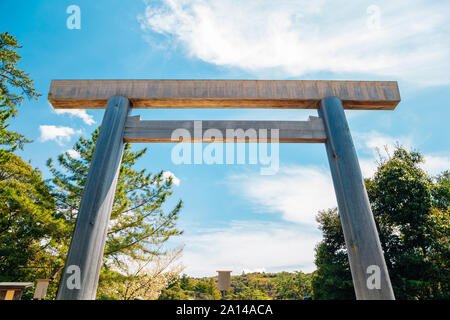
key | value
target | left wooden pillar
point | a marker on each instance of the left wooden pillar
(80, 275)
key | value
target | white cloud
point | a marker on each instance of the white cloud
(296, 192)
(59, 134)
(74, 154)
(260, 270)
(433, 165)
(374, 139)
(374, 143)
(436, 164)
(299, 192)
(250, 246)
(371, 141)
(168, 174)
(368, 167)
(79, 113)
(409, 39)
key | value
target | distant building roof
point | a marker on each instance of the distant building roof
(22, 285)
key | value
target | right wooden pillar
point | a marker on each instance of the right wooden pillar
(368, 267)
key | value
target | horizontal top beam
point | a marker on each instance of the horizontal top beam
(288, 94)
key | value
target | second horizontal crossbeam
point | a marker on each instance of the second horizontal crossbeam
(174, 131)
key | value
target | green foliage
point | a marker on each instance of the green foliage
(411, 211)
(36, 222)
(251, 294)
(253, 286)
(332, 279)
(139, 225)
(440, 192)
(211, 290)
(15, 84)
(185, 284)
(293, 286)
(31, 232)
(174, 292)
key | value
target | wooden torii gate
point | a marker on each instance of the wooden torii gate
(330, 98)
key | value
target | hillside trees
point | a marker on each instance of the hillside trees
(250, 286)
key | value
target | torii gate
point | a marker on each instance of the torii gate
(329, 97)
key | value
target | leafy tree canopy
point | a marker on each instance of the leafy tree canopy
(411, 210)
(31, 233)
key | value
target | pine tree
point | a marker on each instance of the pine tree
(138, 226)
(15, 84)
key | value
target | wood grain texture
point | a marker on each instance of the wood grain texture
(89, 237)
(137, 130)
(358, 224)
(287, 94)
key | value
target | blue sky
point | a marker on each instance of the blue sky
(233, 217)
